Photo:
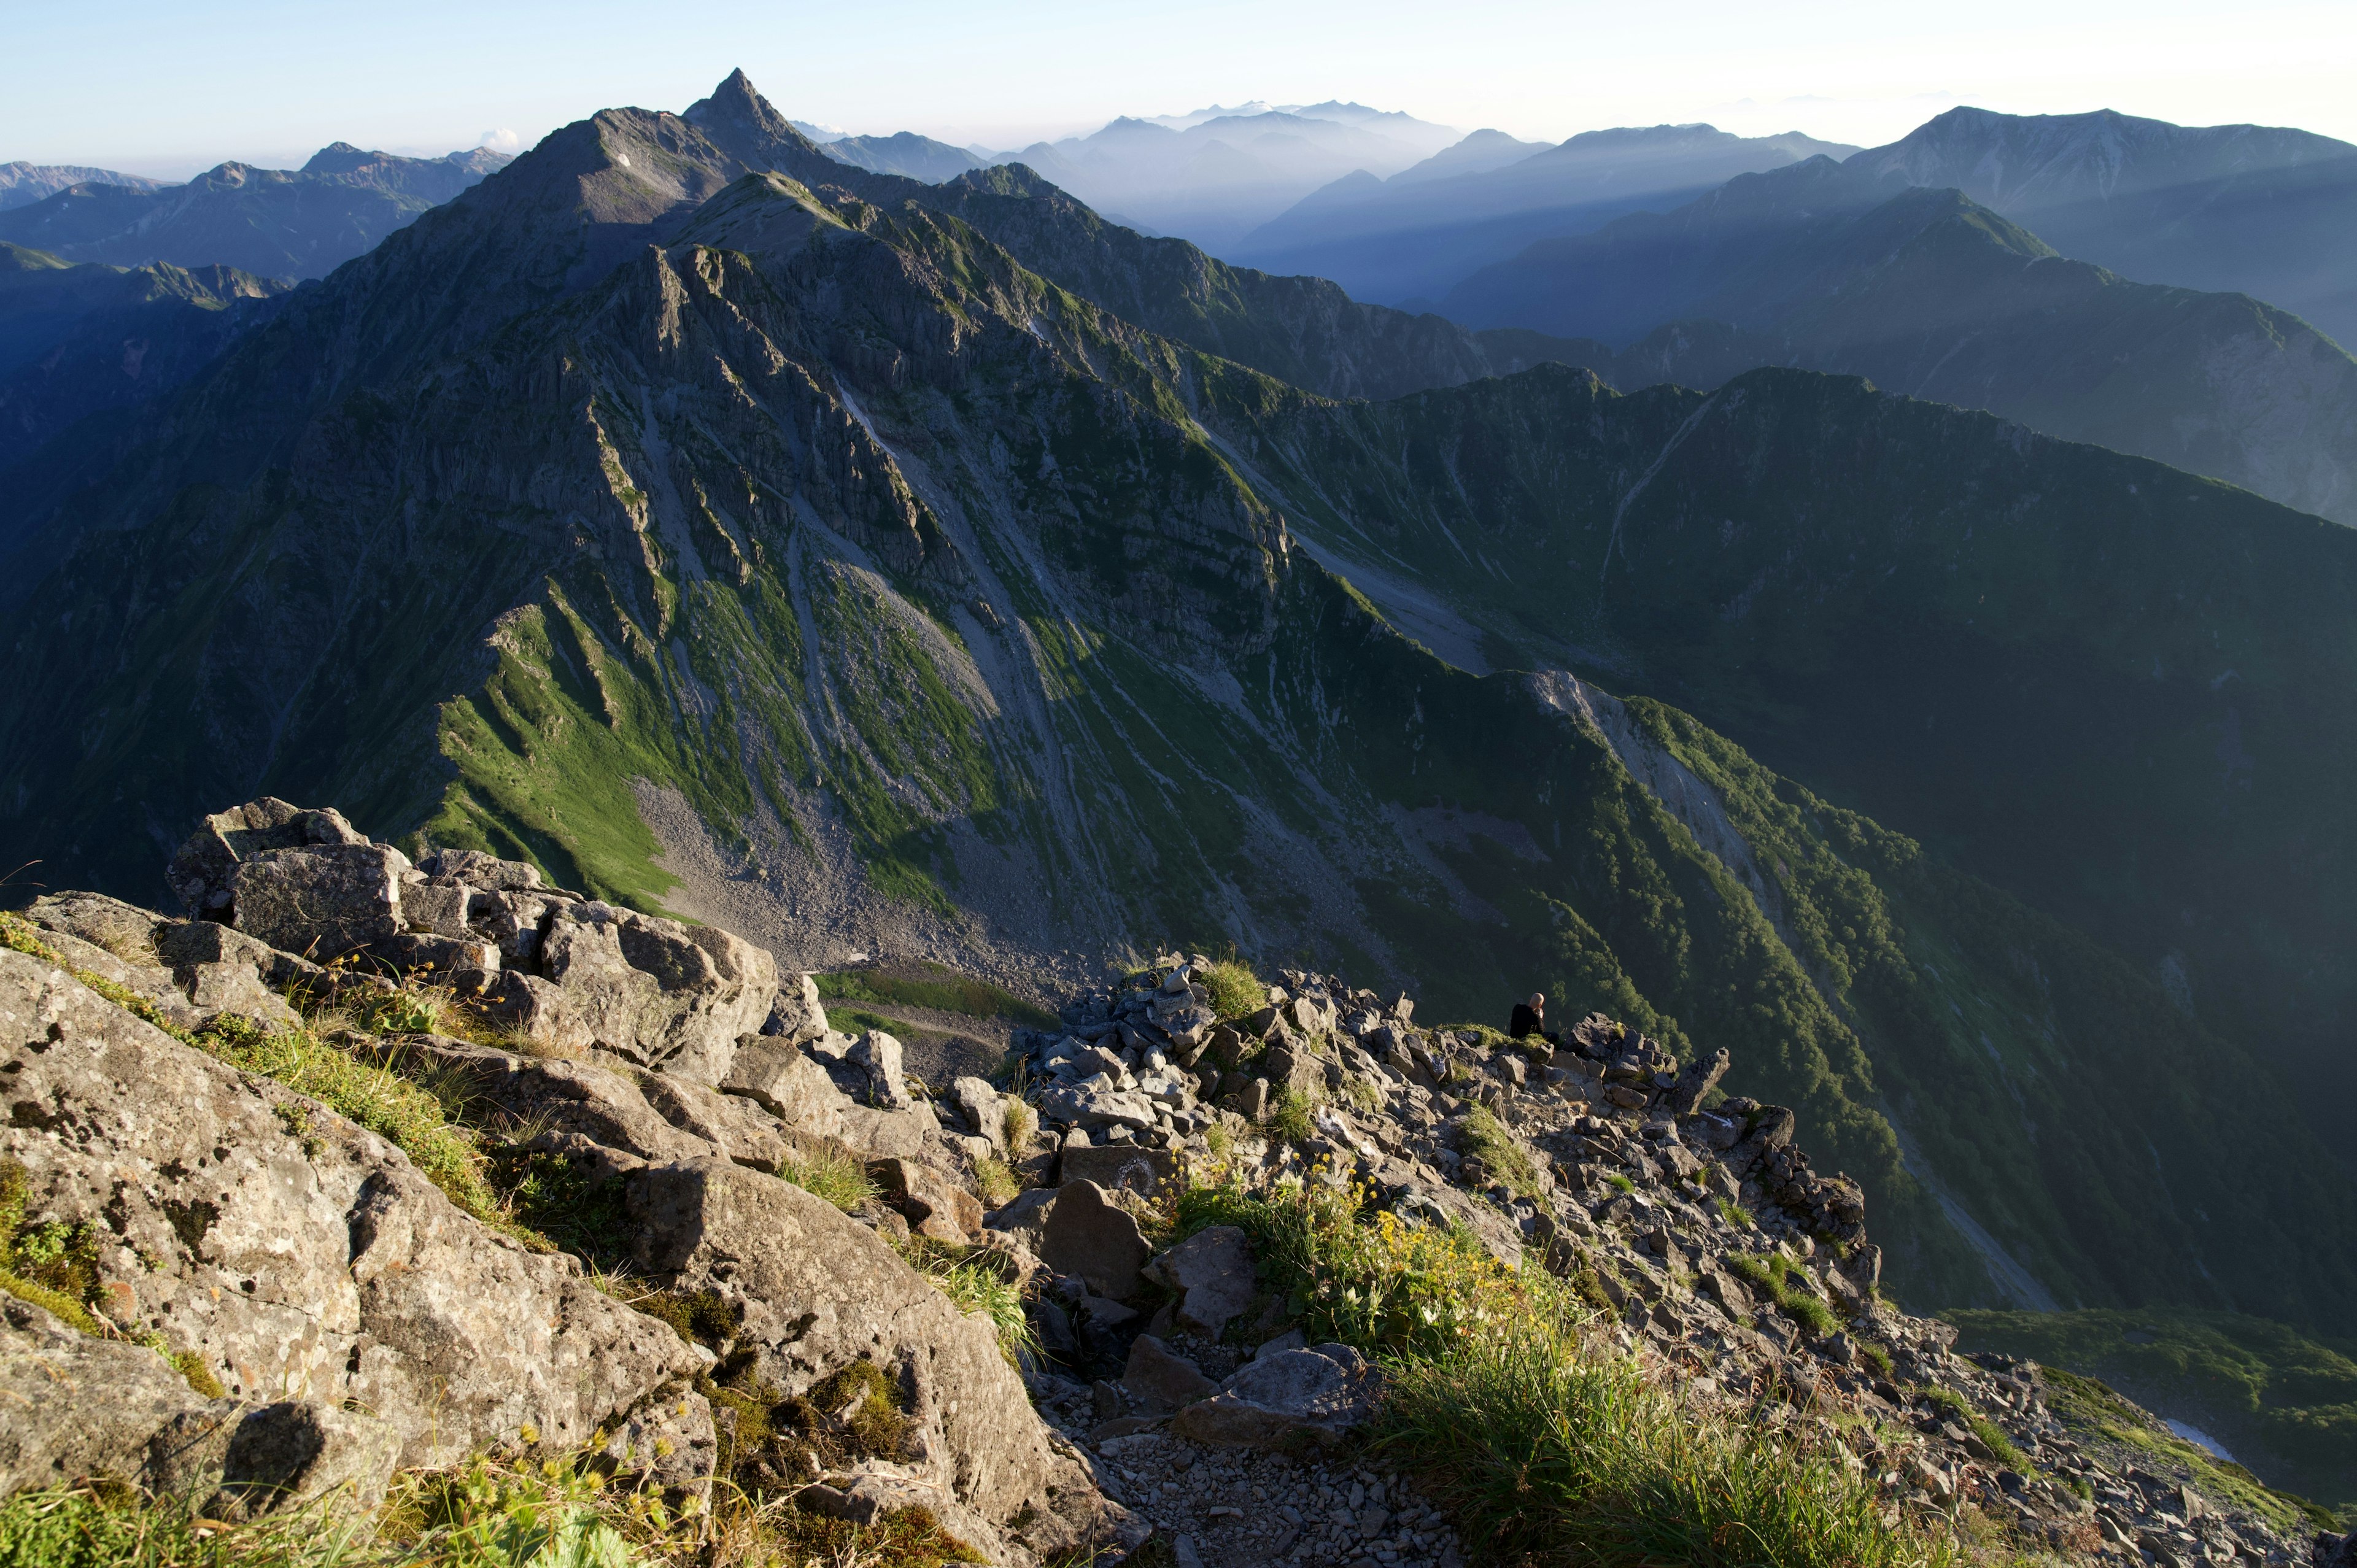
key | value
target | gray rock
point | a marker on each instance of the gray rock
(798, 1014)
(203, 872)
(1096, 1104)
(1158, 1373)
(1295, 1068)
(877, 1057)
(440, 956)
(191, 970)
(516, 921)
(647, 1115)
(1023, 1223)
(819, 1291)
(82, 1408)
(658, 993)
(984, 1108)
(1698, 1079)
(910, 1135)
(190, 945)
(1291, 1396)
(931, 1202)
(321, 901)
(1088, 1235)
(1212, 1271)
(779, 1078)
(1291, 1339)
(1122, 1167)
(487, 872)
(291, 1250)
(438, 908)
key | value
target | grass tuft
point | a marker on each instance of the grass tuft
(995, 1182)
(1287, 1121)
(834, 1174)
(1233, 988)
(1486, 1138)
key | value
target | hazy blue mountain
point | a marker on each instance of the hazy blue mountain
(22, 184)
(273, 223)
(1929, 293)
(1213, 179)
(906, 153)
(1414, 235)
(1479, 153)
(651, 486)
(2257, 210)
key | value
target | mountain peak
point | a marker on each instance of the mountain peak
(339, 157)
(739, 119)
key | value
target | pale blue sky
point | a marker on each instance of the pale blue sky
(168, 88)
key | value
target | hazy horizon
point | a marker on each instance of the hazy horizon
(181, 96)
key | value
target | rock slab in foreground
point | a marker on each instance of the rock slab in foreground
(299, 1256)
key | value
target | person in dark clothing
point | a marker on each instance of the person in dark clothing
(1530, 1018)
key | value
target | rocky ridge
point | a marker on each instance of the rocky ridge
(272, 1303)
(1694, 1223)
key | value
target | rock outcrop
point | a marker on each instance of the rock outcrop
(294, 1254)
(279, 1305)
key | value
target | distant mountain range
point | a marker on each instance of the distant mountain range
(907, 154)
(22, 184)
(2232, 208)
(1214, 178)
(2255, 209)
(271, 222)
(1413, 235)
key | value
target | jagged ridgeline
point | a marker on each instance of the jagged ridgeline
(675, 466)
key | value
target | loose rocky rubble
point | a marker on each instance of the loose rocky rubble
(329, 1314)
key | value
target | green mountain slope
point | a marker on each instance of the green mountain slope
(2279, 1401)
(897, 566)
(2117, 691)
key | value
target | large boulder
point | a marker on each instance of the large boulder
(782, 1081)
(819, 1293)
(655, 992)
(932, 1204)
(192, 972)
(1087, 1234)
(82, 1408)
(1305, 1397)
(799, 1013)
(647, 1115)
(203, 872)
(321, 901)
(1212, 1272)
(296, 1255)
(476, 869)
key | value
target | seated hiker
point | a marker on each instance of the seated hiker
(1530, 1018)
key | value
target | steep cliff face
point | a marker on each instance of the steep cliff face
(823, 534)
